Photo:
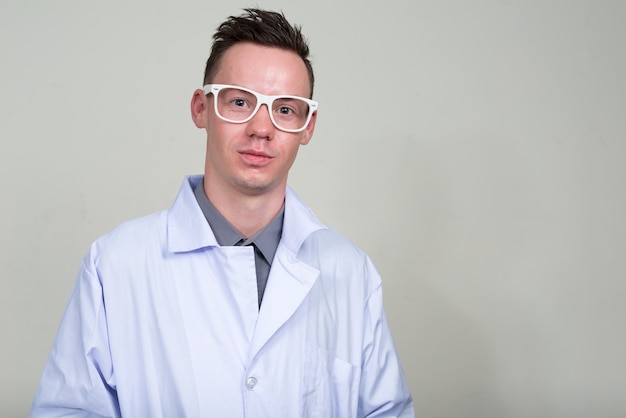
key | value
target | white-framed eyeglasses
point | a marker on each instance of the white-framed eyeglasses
(238, 105)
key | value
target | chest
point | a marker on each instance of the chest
(190, 334)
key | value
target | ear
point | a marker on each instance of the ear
(199, 108)
(307, 134)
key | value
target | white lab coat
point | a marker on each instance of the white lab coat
(163, 322)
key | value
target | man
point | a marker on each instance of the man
(236, 301)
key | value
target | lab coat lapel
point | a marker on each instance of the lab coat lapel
(290, 278)
(187, 228)
(289, 283)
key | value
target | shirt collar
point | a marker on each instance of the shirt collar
(188, 229)
(266, 240)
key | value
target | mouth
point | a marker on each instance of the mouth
(255, 157)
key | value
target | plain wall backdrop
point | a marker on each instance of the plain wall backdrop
(476, 150)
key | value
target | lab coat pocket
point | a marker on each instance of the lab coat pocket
(330, 385)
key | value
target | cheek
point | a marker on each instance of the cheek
(221, 136)
(291, 152)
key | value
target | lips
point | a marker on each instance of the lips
(255, 157)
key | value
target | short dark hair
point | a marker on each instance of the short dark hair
(261, 27)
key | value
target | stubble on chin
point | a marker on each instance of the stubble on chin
(253, 186)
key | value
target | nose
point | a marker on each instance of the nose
(261, 124)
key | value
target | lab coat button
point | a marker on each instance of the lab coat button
(251, 383)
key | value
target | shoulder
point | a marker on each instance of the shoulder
(331, 242)
(324, 248)
(132, 237)
(336, 256)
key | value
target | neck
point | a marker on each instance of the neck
(247, 212)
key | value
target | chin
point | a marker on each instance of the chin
(255, 186)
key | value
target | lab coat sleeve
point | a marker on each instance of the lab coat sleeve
(78, 378)
(383, 389)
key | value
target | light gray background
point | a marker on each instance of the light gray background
(476, 150)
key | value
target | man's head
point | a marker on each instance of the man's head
(261, 27)
(254, 105)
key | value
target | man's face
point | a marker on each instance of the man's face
(253, 157)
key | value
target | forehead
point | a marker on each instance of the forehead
(268, 70)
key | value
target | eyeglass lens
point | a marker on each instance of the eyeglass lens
(238, 105)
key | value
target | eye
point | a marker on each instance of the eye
(287, 107)
(239, 102)
(285, 111)
(237, 99)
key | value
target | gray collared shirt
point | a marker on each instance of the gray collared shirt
(264, 242)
